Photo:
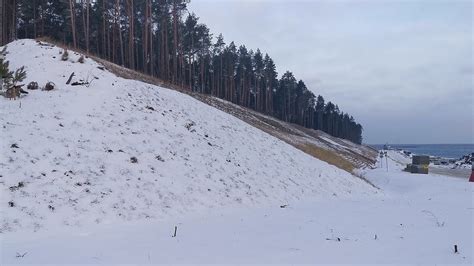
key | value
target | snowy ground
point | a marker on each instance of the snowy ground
(418, 220)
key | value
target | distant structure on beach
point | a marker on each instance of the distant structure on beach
(419, 164)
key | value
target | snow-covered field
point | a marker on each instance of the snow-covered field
(71, 192)
(418, 220)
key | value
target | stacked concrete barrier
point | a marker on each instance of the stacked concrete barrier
(419, 164)
(420, 160)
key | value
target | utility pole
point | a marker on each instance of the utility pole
(381, 159)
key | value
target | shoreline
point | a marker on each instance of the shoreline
(439, 151)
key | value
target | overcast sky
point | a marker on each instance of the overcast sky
(404, 69)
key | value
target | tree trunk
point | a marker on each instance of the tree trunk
(13, 22)
(84, 26)
(7, 21)
(73, 22)
(2, 22)
(145, 39)
(150, 28)
(175, 42)
(88, 25)
(34, 19)
(104, 47)
(131, 34)
(117, 14)
(42, 17)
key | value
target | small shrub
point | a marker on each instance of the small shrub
(11, 204)
(49, 86)
(134, 160)
(33, 85)
(65, 55)
(81, 59)
(189, 125)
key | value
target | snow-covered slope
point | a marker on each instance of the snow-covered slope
(126, 150)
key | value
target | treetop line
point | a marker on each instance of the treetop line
(162, 39)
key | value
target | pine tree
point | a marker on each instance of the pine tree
(271, 83)
(10, 78)
(217, 65)
(19, 76)
(258, 91)
(5, 74)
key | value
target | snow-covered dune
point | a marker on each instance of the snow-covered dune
(126, 150)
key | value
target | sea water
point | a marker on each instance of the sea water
(454, 151)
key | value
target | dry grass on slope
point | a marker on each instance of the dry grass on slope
(328, 156)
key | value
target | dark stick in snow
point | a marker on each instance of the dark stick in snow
(80, 83)
(18, 255)
(175, 229)
(70, 78)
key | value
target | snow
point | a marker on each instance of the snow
(75, 144)
(418, 220)
(400, 157)
(237, 195)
